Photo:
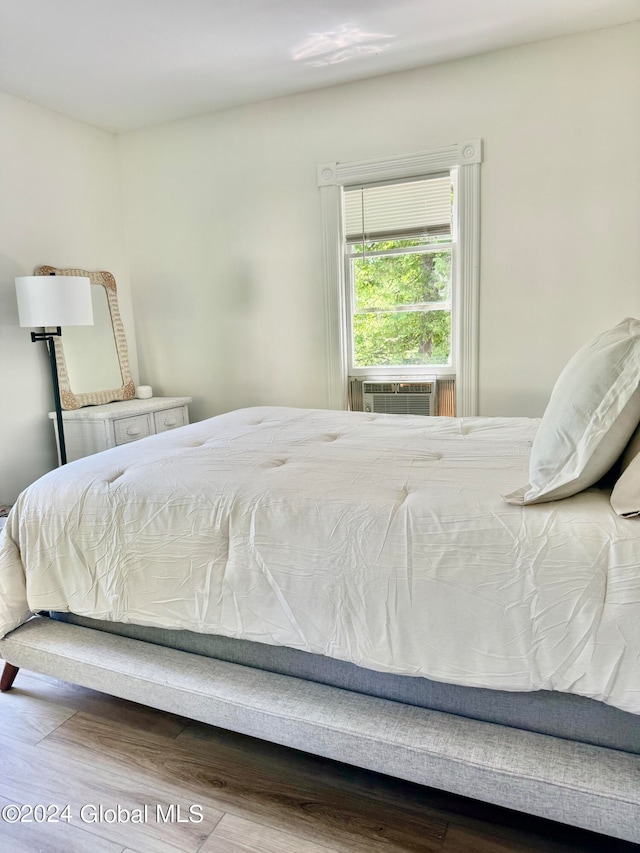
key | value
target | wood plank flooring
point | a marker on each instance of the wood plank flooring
(138, 780)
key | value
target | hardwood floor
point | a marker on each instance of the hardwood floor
(138, 780)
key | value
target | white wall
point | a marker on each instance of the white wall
(223, 219)
(59, 205)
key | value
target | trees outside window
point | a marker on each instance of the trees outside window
(401, 305)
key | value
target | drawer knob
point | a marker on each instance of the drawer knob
(133, 431)
(169, 421)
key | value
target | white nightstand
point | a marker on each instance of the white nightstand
(94, 428)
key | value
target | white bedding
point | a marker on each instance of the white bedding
(378, 539)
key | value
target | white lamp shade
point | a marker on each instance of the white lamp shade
(54, 300)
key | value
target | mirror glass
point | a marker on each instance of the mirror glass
(93, 361)
(90, 351)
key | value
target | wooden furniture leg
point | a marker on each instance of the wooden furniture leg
(8, 674)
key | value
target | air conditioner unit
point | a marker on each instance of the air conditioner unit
(402, 396)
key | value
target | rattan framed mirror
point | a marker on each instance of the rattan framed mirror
(93, 361)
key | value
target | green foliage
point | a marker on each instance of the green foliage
(386, 330)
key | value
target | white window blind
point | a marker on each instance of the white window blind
(396, 210)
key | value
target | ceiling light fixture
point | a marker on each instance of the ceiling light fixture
(347, 41)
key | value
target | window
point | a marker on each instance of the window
(399, 274)
(401, 268)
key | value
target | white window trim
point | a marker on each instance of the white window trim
(465, 158)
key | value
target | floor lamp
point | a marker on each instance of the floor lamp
(53, 302)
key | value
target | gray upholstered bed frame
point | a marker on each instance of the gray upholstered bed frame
(588, 786)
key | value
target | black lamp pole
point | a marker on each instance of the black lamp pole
(49, 338)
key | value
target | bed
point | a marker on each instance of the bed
(354, 585)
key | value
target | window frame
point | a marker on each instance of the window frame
(462, 160)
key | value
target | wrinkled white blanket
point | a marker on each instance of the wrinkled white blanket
(377, 539)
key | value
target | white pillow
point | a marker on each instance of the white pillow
(631, 451)
(593, 411)
(625, 497)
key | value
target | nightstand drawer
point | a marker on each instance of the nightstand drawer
(170, 418)
(131, 429)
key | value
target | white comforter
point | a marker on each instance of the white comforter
(378, 539)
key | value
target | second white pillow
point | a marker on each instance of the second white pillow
(593, 410)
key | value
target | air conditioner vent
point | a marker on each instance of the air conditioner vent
(416, 388)
(398, 387)
(401, 404)
(377, 388)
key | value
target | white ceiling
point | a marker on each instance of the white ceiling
(123, 64)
